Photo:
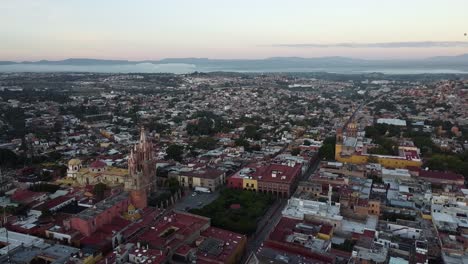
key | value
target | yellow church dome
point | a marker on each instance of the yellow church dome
(74, 162)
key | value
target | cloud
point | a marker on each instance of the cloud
(409, 44)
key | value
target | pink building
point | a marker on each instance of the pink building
(142, 171)
(93, 218)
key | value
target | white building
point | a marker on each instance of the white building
(391, 121)
(299, 209)
(12, 240)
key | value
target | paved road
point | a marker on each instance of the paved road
(313, 167)
(264, 227)
(195, 201)
(366, 102)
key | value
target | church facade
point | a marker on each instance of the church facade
(142, 172)
(138, 180)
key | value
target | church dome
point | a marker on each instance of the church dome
(98, 164)
(74, 162)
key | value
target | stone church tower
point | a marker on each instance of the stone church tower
(142, 172)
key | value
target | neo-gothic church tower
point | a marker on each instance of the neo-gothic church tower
(141, 171)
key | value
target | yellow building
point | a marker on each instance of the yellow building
(97, 172)
(409, 157)
(132, 214)
(250, 184)
(325, 232)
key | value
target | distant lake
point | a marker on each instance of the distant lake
(181, 68)
(124, 68)
(416, 71)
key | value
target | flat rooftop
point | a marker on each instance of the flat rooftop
(16, 239)
(102, 206)
(297, 208)
(219, 244)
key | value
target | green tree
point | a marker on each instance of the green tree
(207, 124)
(173, 185)
(174, 152)
(327, 150)
(241, 142)
(154, 125)
(372, 159)
(207, 143)
(347, 246)
(99, 190)
(295, 151)
(8, 158)
(252, 132)
(45, 213)
(452, 163)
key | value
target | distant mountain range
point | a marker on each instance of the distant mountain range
(286, 64)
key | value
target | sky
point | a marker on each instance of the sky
(231, 29)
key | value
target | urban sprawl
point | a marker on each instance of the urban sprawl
(233, 168)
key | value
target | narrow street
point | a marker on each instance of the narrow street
(272, 217)
(265, 226)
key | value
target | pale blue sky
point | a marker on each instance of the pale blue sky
(155, 29)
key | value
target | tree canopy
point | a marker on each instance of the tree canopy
(446, 162)
(207, 143)
(242, 220)
(207, 123)
(327, 150)
(8, 158)
(174, 152)
(99, 190)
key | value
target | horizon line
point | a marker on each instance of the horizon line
(18, 61)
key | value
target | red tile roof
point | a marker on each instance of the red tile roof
(232, 242)
(57, 201)
(205, 173)
(326, 229)
(25, 196)
(277, 173)
(183, 250)
(98, 164)
(441, 175)
(184, 224)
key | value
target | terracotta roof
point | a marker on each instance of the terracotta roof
(204, 173)
(98, 164)
(441, 175)
(25, 195)
(325, 229)
(57, 201)
(231, 242)
(283, 173)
